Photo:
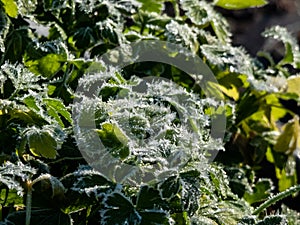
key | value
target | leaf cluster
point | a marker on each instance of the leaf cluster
(161, 136)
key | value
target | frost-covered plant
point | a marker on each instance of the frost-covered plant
(149, 142)
(153, 125)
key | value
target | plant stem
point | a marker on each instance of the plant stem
(29, 195)
(276, 198)
(28, 202)
(176, 9)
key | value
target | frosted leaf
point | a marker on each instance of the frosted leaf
(234, 59)
(182, 34)
(11, 173)
(21, 77)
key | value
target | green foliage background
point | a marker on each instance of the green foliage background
(47, 47)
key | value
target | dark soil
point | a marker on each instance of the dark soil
(247, 25)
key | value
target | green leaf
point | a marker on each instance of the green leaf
(57, 187)
(261, 191)
(84, 178)
(31, 103)
(293, 84)
(56, 107)
(274, 107)
(46, 59)
(149, 198)
(191, 190)
(200, 12)
(243, 110)
(237, 4)
(48, 192)
(181, 218)
(10, 7)
(152, 5)
(10, 197)
(238, 180)
(292, 216)
(4, 26)
(279, 159)
(84, 37)
(49, 109)
(84, 188)
(138, 125)
(203, 220)
(286, 179)
(15, 44)
(119, 210)
(231, 83)
(110, 31)
(169, 187)
(41, 142)
(47, 66)
(276, 198)
(287, 142)
(114, 139)
(219, 180)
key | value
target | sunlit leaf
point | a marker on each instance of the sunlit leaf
(293, 84)
(287, 142)
(55, 108)
(261, 191)
(151, 5)
(214, 89)
(10, 7)
(42, 142)
(31, 103)
(46, 66)
(10, 197)
(286, 179)
(236, 4)
(231, 83)
(46, 59)
(114, 139)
